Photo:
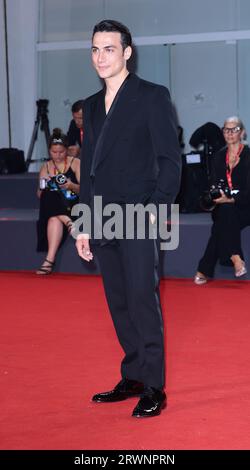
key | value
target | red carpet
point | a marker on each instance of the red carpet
(58, 348)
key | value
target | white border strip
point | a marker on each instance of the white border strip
(153, 40)
(4, 129)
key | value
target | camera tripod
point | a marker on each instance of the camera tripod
(207, 152)
(42, 120)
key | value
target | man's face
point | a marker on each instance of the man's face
(78, 118)
(108, 57)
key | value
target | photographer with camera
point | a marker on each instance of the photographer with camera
(58, 191)
(229, 201)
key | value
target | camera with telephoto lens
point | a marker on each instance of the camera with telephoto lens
(215, 191)
(207, 199)
(54, 183)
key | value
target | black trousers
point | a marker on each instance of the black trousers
(225, 239)
(130, 271)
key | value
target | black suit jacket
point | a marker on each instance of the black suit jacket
(74, 136)
(240, 175)
(138, 157)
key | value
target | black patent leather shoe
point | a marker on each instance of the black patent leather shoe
(150, 404)
(124, 389)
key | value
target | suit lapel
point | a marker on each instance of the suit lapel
(122, 112)
(97, 116)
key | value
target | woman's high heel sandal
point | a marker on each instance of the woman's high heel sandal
(70, 227)
(240, 272)
(46, 269)
(199, 280)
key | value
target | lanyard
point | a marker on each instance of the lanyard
(229, 170)
(57, 171)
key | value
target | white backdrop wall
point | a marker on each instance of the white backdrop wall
(206, 88)
(208, 81)
(243, 82)
(205, 78)
(22, 22)
(66, 76)
(4, 127)
(74, 19)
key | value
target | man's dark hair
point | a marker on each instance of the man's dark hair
(114, 27)
(77, 106)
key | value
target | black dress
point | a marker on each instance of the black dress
(228, 219)
(53, 203)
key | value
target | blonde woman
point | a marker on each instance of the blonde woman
(230, 214)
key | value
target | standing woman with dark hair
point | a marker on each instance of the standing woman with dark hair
(230, 214)
(56, 200)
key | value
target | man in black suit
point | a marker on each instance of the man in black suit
(130, 155)
(75, 132)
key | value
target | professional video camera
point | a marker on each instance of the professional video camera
(207, 199)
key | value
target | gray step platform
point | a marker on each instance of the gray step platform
(19, 191)
(18, 247)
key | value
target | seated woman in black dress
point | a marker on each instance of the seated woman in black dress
(230, 214)
(56, 200)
